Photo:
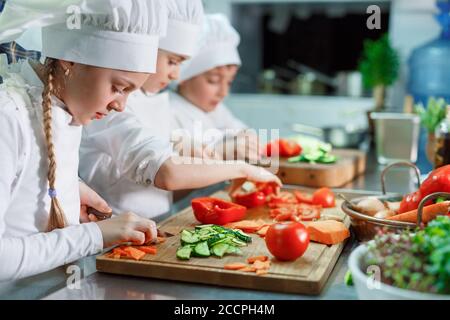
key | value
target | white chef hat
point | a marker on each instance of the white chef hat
(115, 34)
(217, 47)
(183, 26)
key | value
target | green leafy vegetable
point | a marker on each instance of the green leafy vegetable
(432, 114)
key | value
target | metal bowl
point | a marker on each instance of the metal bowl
(366, 227)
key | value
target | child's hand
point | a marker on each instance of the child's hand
(259, 174)
(127, 227)
(90, 198)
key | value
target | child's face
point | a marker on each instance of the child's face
(208, 89)
(91, 92)
(167, 70)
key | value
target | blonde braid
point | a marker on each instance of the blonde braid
(57, 218)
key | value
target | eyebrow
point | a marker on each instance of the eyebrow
(127, 81)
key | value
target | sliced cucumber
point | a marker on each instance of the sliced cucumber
(189, 237)
(184, 253)
(202, 250)
(220, 249)
(233, 250)
(242, 236)
(328, 159)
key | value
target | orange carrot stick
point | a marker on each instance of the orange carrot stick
(428, 213)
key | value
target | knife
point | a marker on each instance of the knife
(104, 216)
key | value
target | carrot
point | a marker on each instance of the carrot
(257, 258)
(134, 253)
(235, 266)
(428, 213)
(120, 251)
(262, 232)
(248, 269)
(328, 231)
(161, 239)
(262, 272)
(148, 249)
(259, 265)
(250, 226)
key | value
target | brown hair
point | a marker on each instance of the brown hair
(57, 219)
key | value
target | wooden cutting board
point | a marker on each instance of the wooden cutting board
(351, 164)
(306, 275)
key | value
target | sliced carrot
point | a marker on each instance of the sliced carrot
(250, 226)
(262, 232)
(148, 249)
(262, 272)
(248, 269)
(234, 266)
(328, 231)
(429, 213)
(161, 239)
(134, 253)
(257, 258)
(120, 251)
(259, 265)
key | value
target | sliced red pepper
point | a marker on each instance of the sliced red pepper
(255, 197)
(283, 148)
(210, 210)
(282, 198)
(303, 197)
(308, 212)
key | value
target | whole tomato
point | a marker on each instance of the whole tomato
(287, 241)
(324, 197)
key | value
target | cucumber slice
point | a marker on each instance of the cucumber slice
(184, 253)
(238, 242)
(313, 156)
(329, 158)
(220, 249)
(243, 236)
(233, 250)
(189, 237)
(203, 226)
(201, 249)
(295, 159)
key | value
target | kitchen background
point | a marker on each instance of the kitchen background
(300, 59)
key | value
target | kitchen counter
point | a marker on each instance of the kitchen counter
(95, 285)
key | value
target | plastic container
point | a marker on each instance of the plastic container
(429, 73)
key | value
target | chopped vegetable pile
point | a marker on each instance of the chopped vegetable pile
(207, 240)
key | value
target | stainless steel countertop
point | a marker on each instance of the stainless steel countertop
(95, 285)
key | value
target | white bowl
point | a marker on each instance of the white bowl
(367, 289)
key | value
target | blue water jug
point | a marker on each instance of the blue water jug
(429, 73)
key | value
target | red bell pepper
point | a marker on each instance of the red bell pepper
(210, 210)
(283, 148)
(253, 194)
(437, 181)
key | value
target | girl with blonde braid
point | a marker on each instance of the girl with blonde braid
(88, 72)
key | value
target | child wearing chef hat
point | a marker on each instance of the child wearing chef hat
(205, 81)
(112, 146)
(89, 71)
(152, 109)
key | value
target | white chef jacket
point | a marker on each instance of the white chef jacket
(25, 248)
(194, 120)
(121, 154)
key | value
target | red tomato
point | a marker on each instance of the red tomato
(287, 241)
(410, 202)
(324, 197)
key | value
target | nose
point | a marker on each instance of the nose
(223, 91)
(175, 73)
(117, 106)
